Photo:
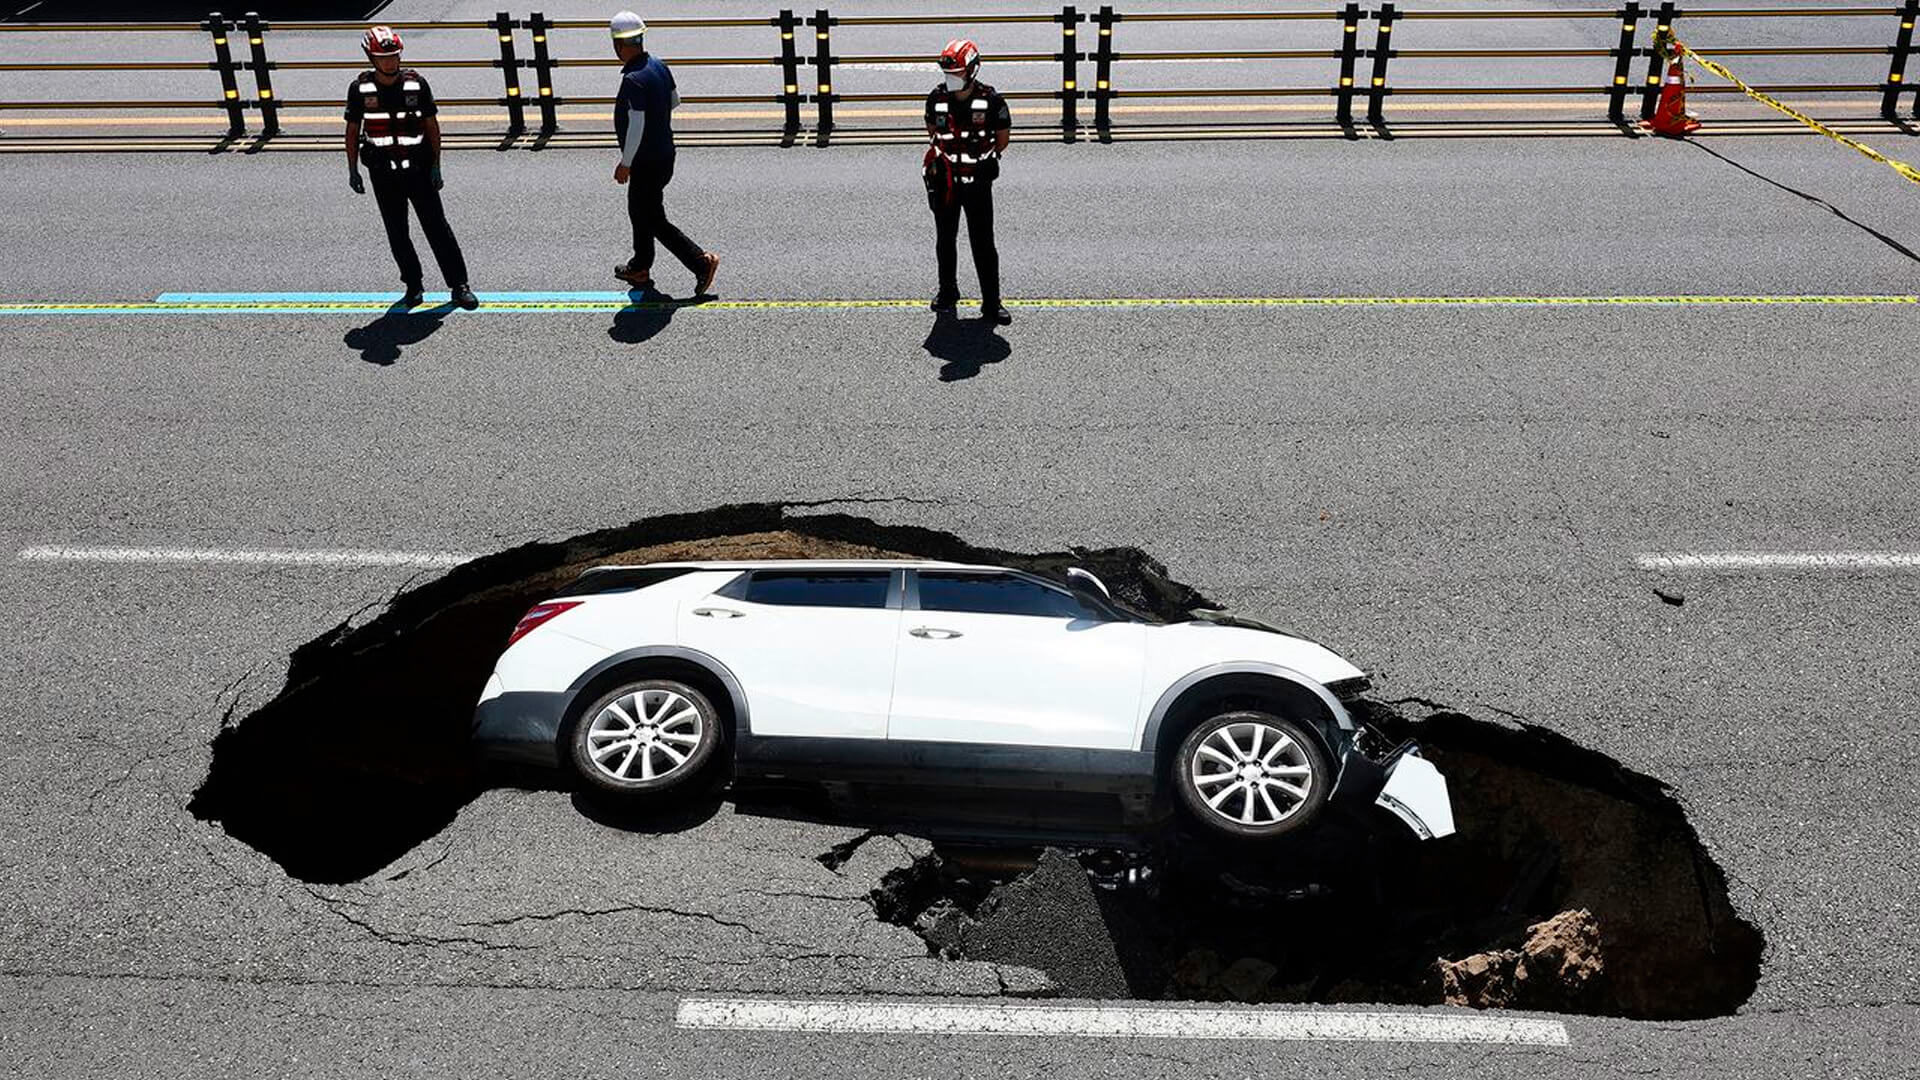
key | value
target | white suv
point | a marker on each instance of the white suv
(923, 675)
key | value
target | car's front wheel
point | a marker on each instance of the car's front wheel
(646, 737)
(1252, 775)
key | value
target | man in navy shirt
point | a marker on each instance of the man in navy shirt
(643, 122)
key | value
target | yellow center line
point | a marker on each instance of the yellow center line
(242, 306)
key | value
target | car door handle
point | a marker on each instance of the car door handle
(718, 612)
(933, 632)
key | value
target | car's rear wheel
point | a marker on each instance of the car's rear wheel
(1252, 775)
(647, 737)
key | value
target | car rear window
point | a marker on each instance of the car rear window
(819, 588)
(999, 594)
(617, 579)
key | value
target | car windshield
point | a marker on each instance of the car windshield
(1120, 609)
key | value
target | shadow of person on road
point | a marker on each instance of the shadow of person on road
(967, 346)
(648, 312)
(381, 340)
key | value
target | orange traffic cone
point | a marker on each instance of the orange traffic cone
(1671, 117)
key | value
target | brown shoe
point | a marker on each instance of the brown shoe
(639, 280)
(704, 282)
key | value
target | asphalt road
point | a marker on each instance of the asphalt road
(1452, 496)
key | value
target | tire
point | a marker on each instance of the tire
(626, 741)
(1291, 780)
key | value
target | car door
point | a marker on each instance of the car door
(1001, 658)
(813, 649)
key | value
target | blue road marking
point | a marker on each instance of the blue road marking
(504, 303)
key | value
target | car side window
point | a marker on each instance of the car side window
(1000, 594)
(819, 588)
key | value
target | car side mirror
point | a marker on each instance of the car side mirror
(1074, 573)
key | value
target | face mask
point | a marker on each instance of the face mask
(956, 83)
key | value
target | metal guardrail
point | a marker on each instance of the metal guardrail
(1359, 69)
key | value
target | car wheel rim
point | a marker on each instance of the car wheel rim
(1252, 774)
(645, 735)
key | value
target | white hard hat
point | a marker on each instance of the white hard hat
(627, 25)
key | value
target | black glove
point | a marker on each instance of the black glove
(438, 180)
(358, 185)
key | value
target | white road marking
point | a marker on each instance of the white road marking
(1110, 1021)
(1709, 561)
(231, 557)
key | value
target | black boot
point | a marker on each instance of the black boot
(946, 300)
(463, 296)
(414, 298)
(995, 312)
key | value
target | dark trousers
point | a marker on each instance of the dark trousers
(393, 189)
(646, 206)
(976, 201)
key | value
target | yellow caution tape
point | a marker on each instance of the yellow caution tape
(324, 307)
(1900, 167)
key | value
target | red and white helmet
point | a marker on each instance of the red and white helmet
(381, 41)
(961, 56)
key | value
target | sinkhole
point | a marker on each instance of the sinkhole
(1573, 883)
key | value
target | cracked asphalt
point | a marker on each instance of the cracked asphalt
(1453, 497)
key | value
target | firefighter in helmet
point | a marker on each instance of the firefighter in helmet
(393, 125)
(968, 125)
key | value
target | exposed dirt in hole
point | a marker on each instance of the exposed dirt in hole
(363, 754)
(1574, 884)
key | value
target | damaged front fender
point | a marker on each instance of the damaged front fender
(1397, 780)
(1416, 793)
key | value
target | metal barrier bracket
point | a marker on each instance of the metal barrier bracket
(1382, 52)
(256, 31)
(1349, 57)
(218, 26)
(1897, 67)
(503, 25)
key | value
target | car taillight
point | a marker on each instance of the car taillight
(537, 615)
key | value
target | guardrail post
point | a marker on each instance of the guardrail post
(1382, 52)
(262, 75)
(510, 72)
(1650, 93)
(1349, 53)
(1623, 64)
(1069, 65)
(1103, 72)
(229, 77)
(1897, 70)
(543, 71)
(823, 72)
(789, 72)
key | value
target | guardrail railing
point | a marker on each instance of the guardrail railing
(1359, 47)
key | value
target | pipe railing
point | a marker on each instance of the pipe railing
(1358, 46)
